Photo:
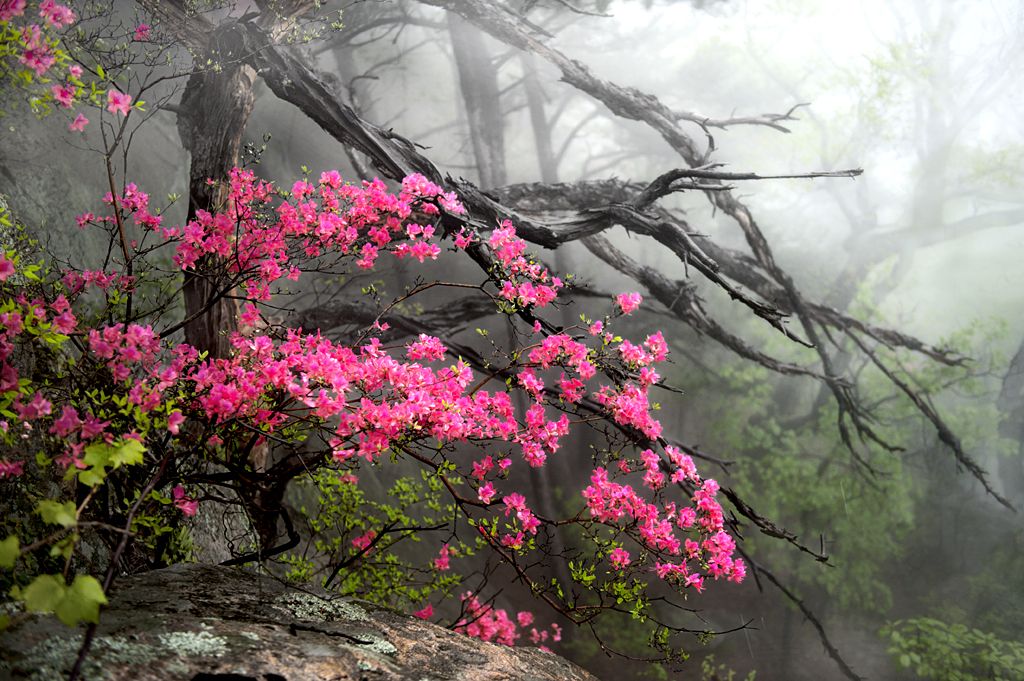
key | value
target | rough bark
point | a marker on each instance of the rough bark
(214, 110)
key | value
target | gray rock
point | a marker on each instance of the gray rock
(206, 623)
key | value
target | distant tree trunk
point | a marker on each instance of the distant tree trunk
(215, 108)
(1011, 405)
(535, 102)
(478, 82)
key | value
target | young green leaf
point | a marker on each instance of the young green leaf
(56, 513)
(9, 550)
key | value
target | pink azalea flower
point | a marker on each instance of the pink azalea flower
(10, 469)
(68, 422)
(57, 15)
(185, 504)
(442, 562)
(426, 613)
(78, 125)
(64, 94)
(141, 32)
(11, 8)
(174, 422)
(628, 302)
(118, 102)
(75, 71)
(486, 493)
(6, 268)
(363, 541)
(619, 558)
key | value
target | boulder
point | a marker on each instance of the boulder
(207, 623)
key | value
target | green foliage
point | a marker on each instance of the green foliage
(78, 602)
(56, 513)
(9, 550)
(101, 456)
(709, 671)
(387, 571)
(935, 650)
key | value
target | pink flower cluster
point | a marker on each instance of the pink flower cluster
(119, 347)
(495, 625)
(38, 51)
(330, 217)
(657, 526)
(516, 503)
(56, 15)
(37, 55)
(629, 406)
(119, 102)
(628, 302)
(523, 282)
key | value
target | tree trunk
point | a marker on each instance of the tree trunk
(214, 111)
(478, 81)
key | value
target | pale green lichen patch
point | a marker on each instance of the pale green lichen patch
(310, 608)
(194, 643)
(250, 635)
(379, 645)
(53, 658)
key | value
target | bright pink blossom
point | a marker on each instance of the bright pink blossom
(11, 469)
(619, 558)
(11, 8)
(185, 504)
(118, 102)
(6, 268)
(57, 15)
(63, 95)
(628, 302)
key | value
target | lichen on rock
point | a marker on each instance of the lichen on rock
(195, 621)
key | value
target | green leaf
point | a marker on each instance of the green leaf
(97, 455)
(65, 547)
(89, 478)
(44, 593)
(9, 550)
(128, 454)
(56, 513)
(81, 602)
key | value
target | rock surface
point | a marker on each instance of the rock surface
(205, 623)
